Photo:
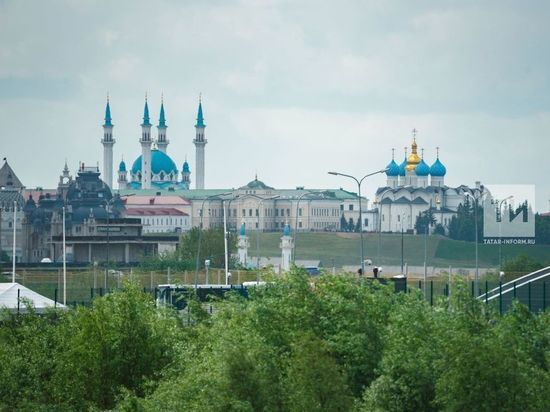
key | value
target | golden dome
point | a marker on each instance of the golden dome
(413, 160)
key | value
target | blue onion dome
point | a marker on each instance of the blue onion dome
(185, 168)
(437, 169)
(160, 162)
(402, 167)
(243, 230)
(422, 169)
(122, 166)
(392, 169)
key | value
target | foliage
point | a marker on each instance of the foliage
(542, 229)
(424, 220)
(439, 230)
(333, 343)
(211, 246)
(343, 224)
(522, 264)
(462, 226)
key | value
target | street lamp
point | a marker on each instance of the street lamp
(379, 205)
(200, 234)
(479, 196)
(260, 204)
(296, 220)
(359, 181)
(499, 207)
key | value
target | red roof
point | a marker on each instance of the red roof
(155, 201)
(146, 211)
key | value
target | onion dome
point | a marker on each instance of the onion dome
(438, 169)
(392, 169)
(122, 166)
(402, 167)
(160, 162)
(422, 169)
(413, 160)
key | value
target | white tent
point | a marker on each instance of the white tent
(9, 299)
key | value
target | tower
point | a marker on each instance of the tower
(242, 246)
(422, 172)
(186, 175)
(122, 175)
(108, 143)
(199, 141)
(286, 248)
(65, 180)
(162, 142)
(146, 149)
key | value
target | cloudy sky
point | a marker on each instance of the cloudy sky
(291, 89)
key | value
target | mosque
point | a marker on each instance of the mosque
(154, 168)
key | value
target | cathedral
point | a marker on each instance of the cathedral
(414, 187)
(154, 168)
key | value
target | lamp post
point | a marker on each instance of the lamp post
(379, 205)
(13, 257)
(499, 206)
(476, 199)
(359, 181)
(200, 234)
(64, 262)
(296, 221)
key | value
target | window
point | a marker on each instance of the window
(300, 224)
(257, 212)
(234, 212)
(276, 212)
(399, 218)
(288, 212)
(244, 212)
(350, 207)
(282, 212)
(300, 213)
(256, 225)
(250, 212)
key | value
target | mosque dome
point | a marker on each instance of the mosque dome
(422, 169)
(392, 169)
(160, 162)
(122, 166)
(438, 169)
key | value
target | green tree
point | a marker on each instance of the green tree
(423, 221)
(343, 224)
(211, 246)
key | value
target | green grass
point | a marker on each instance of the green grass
(344, 249)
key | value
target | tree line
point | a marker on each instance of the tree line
(332, 344)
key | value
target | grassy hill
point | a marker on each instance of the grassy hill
(344, 249)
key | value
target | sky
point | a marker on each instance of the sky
(290, 89)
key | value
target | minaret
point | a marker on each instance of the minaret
(122, 176)
(186, 175)
(199, 141)
(108, 143)
(286, 248)
(146, 149)
(162, 142)
(242, 246)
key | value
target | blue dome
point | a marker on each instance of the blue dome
(402, 167)
(160, 162)
(122, 166)
(422, 169)
(393, 169)
(437, 169)
(186, 167)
